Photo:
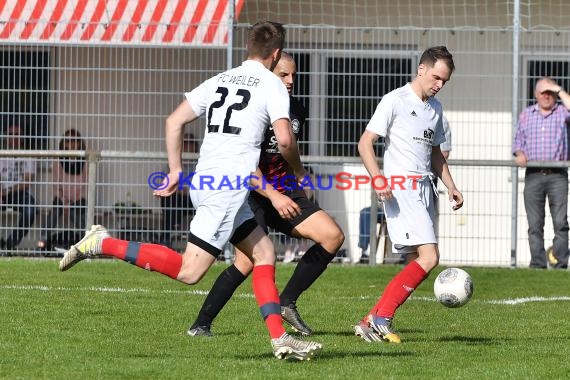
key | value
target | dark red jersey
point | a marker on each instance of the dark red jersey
(272, 164)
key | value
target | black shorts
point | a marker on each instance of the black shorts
(267, 216)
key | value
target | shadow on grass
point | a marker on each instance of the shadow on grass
(350, 332)
(471, 340)
(327, 355)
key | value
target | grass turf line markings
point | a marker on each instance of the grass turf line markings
(45, 288)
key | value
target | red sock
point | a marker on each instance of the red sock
(399, 289)
(268, 298)
(151, 257)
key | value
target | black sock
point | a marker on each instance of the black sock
(224, 287)
(312, 264)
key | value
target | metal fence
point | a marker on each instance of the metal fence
(349, 54)
(478, 235)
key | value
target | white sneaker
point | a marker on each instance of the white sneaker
(89, 246)
(366, 332)
(287, 347)
(383, 326)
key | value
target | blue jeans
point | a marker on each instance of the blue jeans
(25, 205)
(364, 226)
(538, 187)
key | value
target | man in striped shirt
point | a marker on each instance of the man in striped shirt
(541, 135)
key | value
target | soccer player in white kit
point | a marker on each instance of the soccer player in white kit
(238, 105)
(410, 120)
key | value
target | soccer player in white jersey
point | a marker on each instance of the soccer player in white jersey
(238, 105)
(410, 120)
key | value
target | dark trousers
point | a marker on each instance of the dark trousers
(25, 205)
(176, 210)
(542, 184)
(364, 226)
(77, 214)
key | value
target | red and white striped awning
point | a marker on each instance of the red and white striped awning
(116, 22)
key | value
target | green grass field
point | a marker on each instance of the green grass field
(105, 319)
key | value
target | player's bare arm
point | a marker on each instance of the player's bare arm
(174, 128)
(287, 208)
(439, 165)
(370, 161)
(437, 160)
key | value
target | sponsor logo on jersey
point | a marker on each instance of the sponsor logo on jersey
(426, 139)
(414, 113)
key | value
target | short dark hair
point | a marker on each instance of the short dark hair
(264, 37)
(287, 56)
(431, 55)
(72, 135)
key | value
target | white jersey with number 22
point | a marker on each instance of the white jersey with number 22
(238, 104)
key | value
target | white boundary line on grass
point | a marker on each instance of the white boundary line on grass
(508, 301)
(518, 301)
(45, 288)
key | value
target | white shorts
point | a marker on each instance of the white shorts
(410, 216)
(218, 213)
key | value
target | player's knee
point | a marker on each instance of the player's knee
(264, 258)
(339, 237)
(435, 261)
(428, 257)
(333, 239)
(430, 262)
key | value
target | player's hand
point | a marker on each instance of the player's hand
(384, 192)
(170, 185)
(456, 199)
(285, 206)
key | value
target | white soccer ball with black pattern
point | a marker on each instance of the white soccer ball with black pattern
(453, 287)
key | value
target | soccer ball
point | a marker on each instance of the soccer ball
(453, 287)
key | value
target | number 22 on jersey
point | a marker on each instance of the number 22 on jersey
(217, 107)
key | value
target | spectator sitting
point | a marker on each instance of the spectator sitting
(70, 176)
(16, 175)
